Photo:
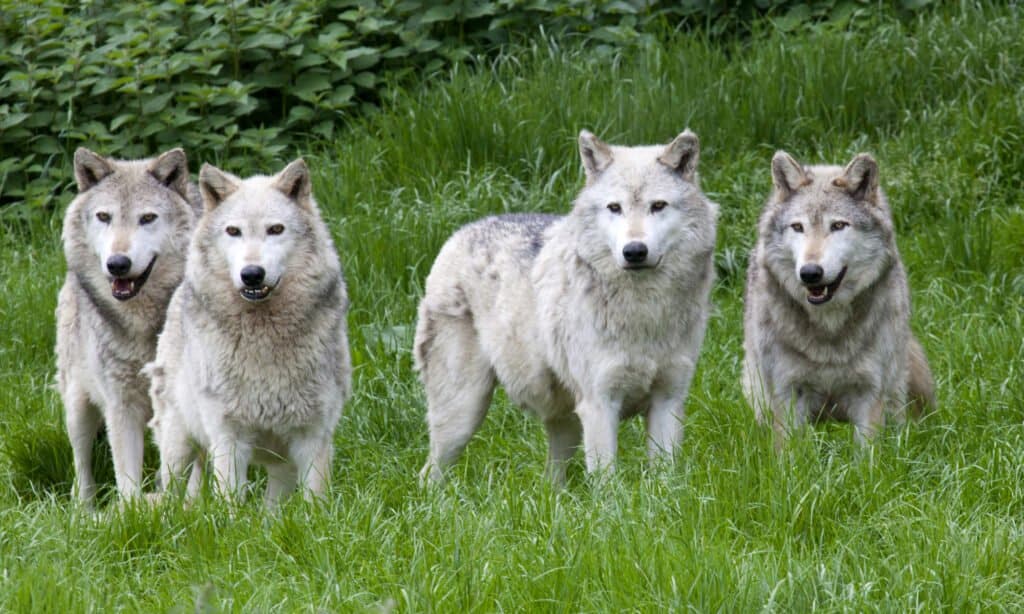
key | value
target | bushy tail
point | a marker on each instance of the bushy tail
(921, 387)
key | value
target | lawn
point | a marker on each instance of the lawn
(931, 517)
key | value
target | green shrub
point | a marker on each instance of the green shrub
(239, 83)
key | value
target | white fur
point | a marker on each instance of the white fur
(102, 342)
(251, 381)
(548, 307)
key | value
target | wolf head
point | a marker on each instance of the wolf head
(828, 229)
(640, 204)
(129, 219)
(254, 232)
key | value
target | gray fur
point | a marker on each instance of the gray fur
(103, 342)
(852, 357)
(547, 306)
(249, 381)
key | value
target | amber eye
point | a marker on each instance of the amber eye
(615, 207)
(103, 216)
(276, 229)
(838, 225)
(797, 227)
(233, 231)
(148, 218)
(658, 205)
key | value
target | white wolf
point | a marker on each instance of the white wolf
(125, 239)
(827, 314)
(253, 363)
(585, 319)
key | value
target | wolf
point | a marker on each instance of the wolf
(827, 309)
(585, 319)
(253, 364)
(125, 238)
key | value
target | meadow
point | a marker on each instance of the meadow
(930, 518)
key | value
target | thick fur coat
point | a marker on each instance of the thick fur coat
(125, 238)
(585, 319)
(253, 365)
(827, 313)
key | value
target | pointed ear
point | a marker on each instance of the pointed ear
(682, 155)
(294, 181)
(595, 154)
(860, 178)
(215, 185)
(171, 169)
(788, 175)
(90, 168)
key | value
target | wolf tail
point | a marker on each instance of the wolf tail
(921, 387)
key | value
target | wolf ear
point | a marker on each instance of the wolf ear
(90, 168)
(171, 169)
(682, 155)
(787, 174)
(294, 182)
(860, 178)
(595, 154)
(215, 185)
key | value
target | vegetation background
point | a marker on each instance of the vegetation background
(419, 117)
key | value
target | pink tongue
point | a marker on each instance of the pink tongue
(122, 286)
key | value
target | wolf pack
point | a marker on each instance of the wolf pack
(215, 315)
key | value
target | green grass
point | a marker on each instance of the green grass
(931, 518)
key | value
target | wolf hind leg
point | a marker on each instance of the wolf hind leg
(459, 382)
(83, 423)
(564, 436)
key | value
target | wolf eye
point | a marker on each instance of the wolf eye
(838, 226)
(276, 229)
(658, 205)
(103, 216)
(797, 227)
(615, 207)
(148, 218)
(233, 231)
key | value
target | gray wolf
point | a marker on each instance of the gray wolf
(253, 364)
(585, 319)
(827, 310)
(125, 239)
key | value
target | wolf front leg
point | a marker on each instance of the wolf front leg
(126, 429)
(231, 458)
(312, 459)
(83, 422)
(666, 414)
(600, 421)
(867, 412)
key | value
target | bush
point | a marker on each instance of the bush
(238, 83)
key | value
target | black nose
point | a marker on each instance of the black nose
(119, 264)
(811, 273)
(252, 276)
(635, 252)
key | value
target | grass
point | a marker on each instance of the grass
(930, 519)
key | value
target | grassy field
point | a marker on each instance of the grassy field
(931, 518)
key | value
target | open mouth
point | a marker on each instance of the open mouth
(256, 295)
(124, 288)
(821, 294)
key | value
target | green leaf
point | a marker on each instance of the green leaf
(121, 120)
(265, 40)
(155, 104)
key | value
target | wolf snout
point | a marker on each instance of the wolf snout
(253, 276)
(635, 252)
(119, 265)
(811, 273)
